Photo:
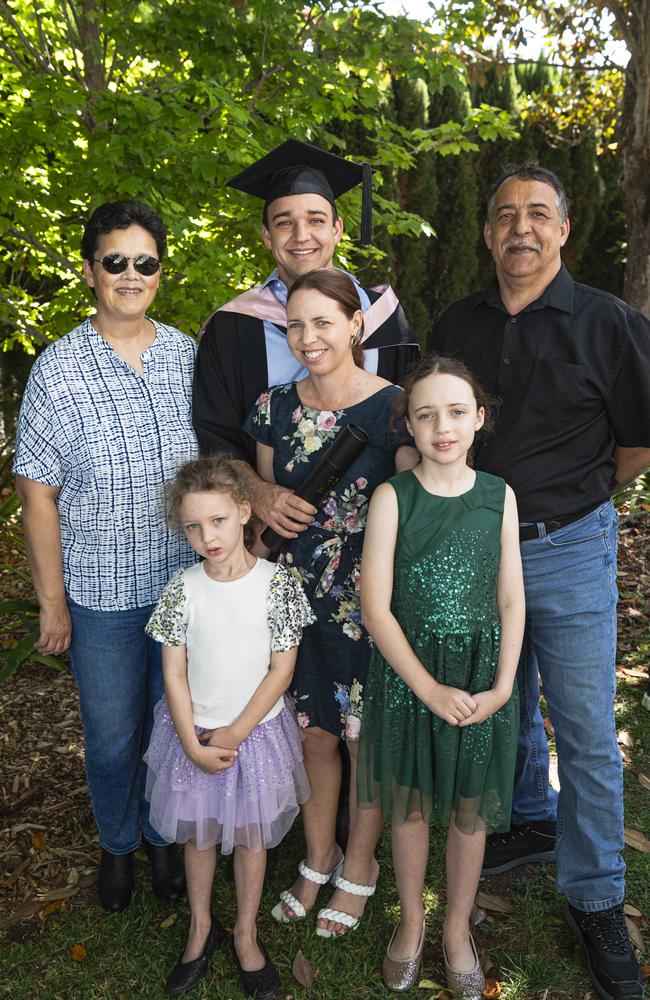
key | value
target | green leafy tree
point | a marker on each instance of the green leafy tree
(416, 191)
(453, 260)
(164, 102)
(598, 92)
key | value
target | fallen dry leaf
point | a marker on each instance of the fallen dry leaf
(497, 904)
(548, 726)
(644, 781)
(77, 952)
(634, 672)
(645, 971)
(637, 840)
(631, 911)
(169, 921)
(68, 890)
(492, 988)
(636, 937)
(302, 970)
(626, 739)
(428, 984)
(17, 872)
(38, 840)
(50, 908)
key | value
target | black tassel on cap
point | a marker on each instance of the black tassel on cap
(366, 206)
(298, 168)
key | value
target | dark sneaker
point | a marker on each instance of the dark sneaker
(611, 960)
(532, 843)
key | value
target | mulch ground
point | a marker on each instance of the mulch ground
(48, 844)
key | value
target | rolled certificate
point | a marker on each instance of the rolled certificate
(346, 447)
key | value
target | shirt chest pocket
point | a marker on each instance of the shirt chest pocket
(562, 396)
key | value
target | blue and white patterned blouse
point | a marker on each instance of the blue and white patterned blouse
(110, 438)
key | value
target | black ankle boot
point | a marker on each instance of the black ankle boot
(115, 881)
(167, 871)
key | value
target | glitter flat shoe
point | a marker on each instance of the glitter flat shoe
(465, 985)
(402, 973)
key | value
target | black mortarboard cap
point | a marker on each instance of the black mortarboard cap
(298, 168)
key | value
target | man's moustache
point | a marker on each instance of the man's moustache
(519, 245)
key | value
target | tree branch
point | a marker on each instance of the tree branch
(13, 56)
(626, 30)
(33, 331)
(73, 33)
(39, 57)
(42, 37)
(306, 33)
(28, 237)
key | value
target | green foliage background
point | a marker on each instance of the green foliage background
(164, 100)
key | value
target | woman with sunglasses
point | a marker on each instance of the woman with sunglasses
(105, 420)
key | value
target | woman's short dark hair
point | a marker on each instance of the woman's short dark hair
(338, 286)
(120, 215)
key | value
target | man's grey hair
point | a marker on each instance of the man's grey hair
(529, 171)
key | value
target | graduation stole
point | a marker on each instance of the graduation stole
(260, 303)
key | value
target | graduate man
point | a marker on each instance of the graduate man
(243, 347)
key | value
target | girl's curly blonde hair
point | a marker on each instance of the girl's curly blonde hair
(208, 474)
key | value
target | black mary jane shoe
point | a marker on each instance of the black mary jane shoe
(264, 983)
(185, 975)
(167, 871)
(115, 881)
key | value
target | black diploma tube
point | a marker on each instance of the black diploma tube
(346, 447)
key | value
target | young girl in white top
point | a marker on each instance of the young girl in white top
(225, 758)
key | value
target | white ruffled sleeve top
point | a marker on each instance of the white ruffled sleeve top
(230, 630)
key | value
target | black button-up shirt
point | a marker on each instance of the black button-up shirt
(571, 373)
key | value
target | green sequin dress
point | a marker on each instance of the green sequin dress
(444, 597)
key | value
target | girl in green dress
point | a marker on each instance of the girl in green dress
(442, 597)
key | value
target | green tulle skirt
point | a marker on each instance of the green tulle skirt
(411, 761)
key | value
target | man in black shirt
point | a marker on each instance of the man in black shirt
(570, 366)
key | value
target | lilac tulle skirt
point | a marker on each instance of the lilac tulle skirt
(251, 804)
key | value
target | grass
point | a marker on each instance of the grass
(532, 953)
(129, 955)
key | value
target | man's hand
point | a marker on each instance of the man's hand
(451, 704)
(282, 510)
(56, 629)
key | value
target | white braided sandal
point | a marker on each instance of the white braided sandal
(338, 916)
(290, 901)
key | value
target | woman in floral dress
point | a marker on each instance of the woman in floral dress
(293, 425)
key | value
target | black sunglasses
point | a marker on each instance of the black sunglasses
(116, 263)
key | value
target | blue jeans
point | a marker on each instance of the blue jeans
(570, 640)
(118, 671)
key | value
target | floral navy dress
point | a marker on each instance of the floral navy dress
(334, 655)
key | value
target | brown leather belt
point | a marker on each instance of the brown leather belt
(528, 531)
